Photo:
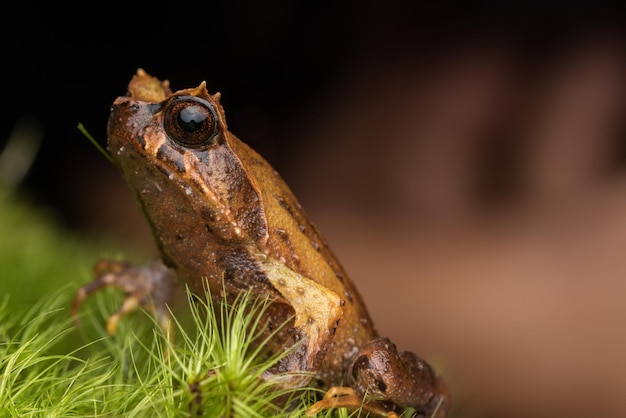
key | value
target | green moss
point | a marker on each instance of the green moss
(51, 368)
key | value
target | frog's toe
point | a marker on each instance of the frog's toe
(346, 397)
(129, 305)
(150, 287)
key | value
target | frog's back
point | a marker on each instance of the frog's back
(297, 242)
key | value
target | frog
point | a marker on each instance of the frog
(224, 220)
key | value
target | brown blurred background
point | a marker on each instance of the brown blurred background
(467, 165)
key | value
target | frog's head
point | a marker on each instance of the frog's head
(176, 154)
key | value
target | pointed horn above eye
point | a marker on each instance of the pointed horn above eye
(217, 96)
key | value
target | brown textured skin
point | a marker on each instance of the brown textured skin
(221, 215)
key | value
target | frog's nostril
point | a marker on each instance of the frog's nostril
(153, 108)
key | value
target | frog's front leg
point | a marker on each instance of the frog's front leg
(381, 376)
(317, 314)
(150, 286)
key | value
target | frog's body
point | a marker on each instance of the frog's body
(222, 216)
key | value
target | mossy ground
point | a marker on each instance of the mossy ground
(49, 367)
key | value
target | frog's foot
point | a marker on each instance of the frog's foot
(345, 397)
(399, 378)
(149, 287)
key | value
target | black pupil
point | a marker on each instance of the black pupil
(191, 118)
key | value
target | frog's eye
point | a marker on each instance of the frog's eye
(191, 122)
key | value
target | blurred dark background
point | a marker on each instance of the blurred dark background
(465, 162)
